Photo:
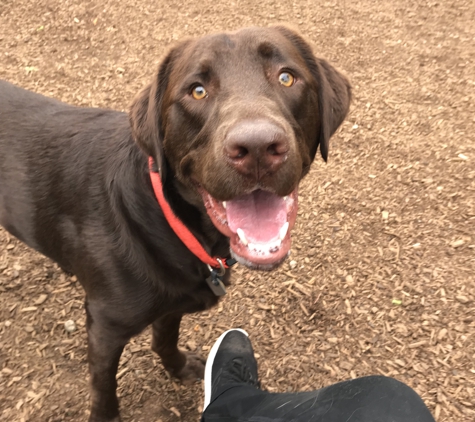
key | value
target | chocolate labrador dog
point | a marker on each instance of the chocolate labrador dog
(221, 137)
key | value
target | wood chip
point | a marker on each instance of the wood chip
(417, 344)
(175, 411)
(301, 288)
(304, 309)
(29, 309)
(41, 299)
(462, 299)
(457, 243)
(348, 306)
(294, 292)
(442, 334)
(121, 373)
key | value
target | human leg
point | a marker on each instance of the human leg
(235, 395)
(367, 399)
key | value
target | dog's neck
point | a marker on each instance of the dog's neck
(189, 208)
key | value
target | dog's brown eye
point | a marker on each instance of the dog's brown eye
(199, 92)
(286, 79)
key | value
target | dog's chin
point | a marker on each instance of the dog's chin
(258, 225)
(261, 267)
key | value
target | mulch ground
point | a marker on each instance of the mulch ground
(381, 279)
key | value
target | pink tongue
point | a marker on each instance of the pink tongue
(260, 215)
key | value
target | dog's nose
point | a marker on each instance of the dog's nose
(256, 148)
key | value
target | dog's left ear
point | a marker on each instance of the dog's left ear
(333, 90)
(147, 111)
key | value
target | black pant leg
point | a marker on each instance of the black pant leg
(367, 399)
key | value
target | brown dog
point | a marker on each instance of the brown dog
(233, 122)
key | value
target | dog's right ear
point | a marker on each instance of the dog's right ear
(146, 111)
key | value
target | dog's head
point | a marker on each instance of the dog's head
(237, 118)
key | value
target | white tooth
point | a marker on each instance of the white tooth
(283, 230)
(276, 246)
(242, 236)
(224, 204)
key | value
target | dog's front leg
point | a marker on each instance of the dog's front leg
(105, 345)
(188, 367)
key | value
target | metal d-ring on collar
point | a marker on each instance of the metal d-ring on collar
(222, 269)
(214, 280)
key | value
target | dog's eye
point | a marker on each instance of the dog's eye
(286, 79)
(199, 92)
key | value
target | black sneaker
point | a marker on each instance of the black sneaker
(230, 362)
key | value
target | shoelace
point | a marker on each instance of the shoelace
(236, 373)
(241, 372)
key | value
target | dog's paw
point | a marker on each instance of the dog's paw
(193, 370)
(99, 419)
(98, 416)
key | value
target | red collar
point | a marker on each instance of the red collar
(180, 229)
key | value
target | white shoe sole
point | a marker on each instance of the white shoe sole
(209, 365)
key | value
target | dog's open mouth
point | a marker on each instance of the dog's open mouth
(258, 225)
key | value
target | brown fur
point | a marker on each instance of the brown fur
(74, 182)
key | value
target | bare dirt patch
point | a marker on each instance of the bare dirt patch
(383, 280)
